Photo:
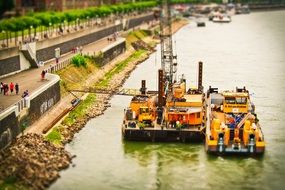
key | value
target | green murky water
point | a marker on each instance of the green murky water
(249, 52)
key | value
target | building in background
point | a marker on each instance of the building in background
(24, 6)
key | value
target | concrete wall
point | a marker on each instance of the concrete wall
(138, 21)
(49, 53)
(112, 52)
(9, 65)
(41, 103)
(9, 128)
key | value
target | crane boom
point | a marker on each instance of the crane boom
(168, 60)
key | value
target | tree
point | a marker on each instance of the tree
(6, 5)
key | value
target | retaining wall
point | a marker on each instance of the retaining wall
(43, 100)
(10, 65)
(111, 52)
(49, 53)
(138, 21)
(9, 128)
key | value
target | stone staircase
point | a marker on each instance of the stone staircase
(30, 56)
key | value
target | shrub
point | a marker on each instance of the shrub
(78, 61)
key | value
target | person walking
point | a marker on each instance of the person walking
(6, 89)
(2, 87)
(12, 87)
(17, 88)
(43, 74)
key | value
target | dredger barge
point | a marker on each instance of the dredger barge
(174, 114)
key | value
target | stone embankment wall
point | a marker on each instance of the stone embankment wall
(111, 52)
(10, 65)
(138, 21)
(9, 128)
(49, 52)
(43, 101)
(266, 6)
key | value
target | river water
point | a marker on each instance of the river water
(249, 51)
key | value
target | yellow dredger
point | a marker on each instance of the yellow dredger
(170, 114)
(232, 125)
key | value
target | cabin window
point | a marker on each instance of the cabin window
(144, 110)
(198, 115)
(241, 100)
(230, 100)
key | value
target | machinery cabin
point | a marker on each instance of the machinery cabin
(184, 109)
(141, 112)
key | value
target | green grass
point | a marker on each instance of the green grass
(54, 136)
(118, 68)
(10, 183)
(80, 110)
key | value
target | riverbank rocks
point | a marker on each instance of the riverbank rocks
(34, 161)
(140, 44)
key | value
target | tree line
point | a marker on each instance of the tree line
(48, 19)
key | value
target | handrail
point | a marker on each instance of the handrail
(20, 105)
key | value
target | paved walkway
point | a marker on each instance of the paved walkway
(31, 79)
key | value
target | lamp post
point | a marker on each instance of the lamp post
(77, 22)
(3, 35)
(87, 21)
(30, 30)
(104, 19)
(96, 19)
(50, 28)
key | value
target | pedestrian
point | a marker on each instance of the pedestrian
(43, 74)
(12, 87)
(6, 89)
(25, 94)
(1, 87)
(17, 88)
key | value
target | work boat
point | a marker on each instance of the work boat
(232, 125)
(170, 114)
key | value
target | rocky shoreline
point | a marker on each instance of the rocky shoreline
(33, 160)
(36, 162)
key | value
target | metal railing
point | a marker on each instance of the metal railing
(58, 66)
(20, 105)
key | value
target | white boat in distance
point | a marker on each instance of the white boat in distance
(222, 19)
